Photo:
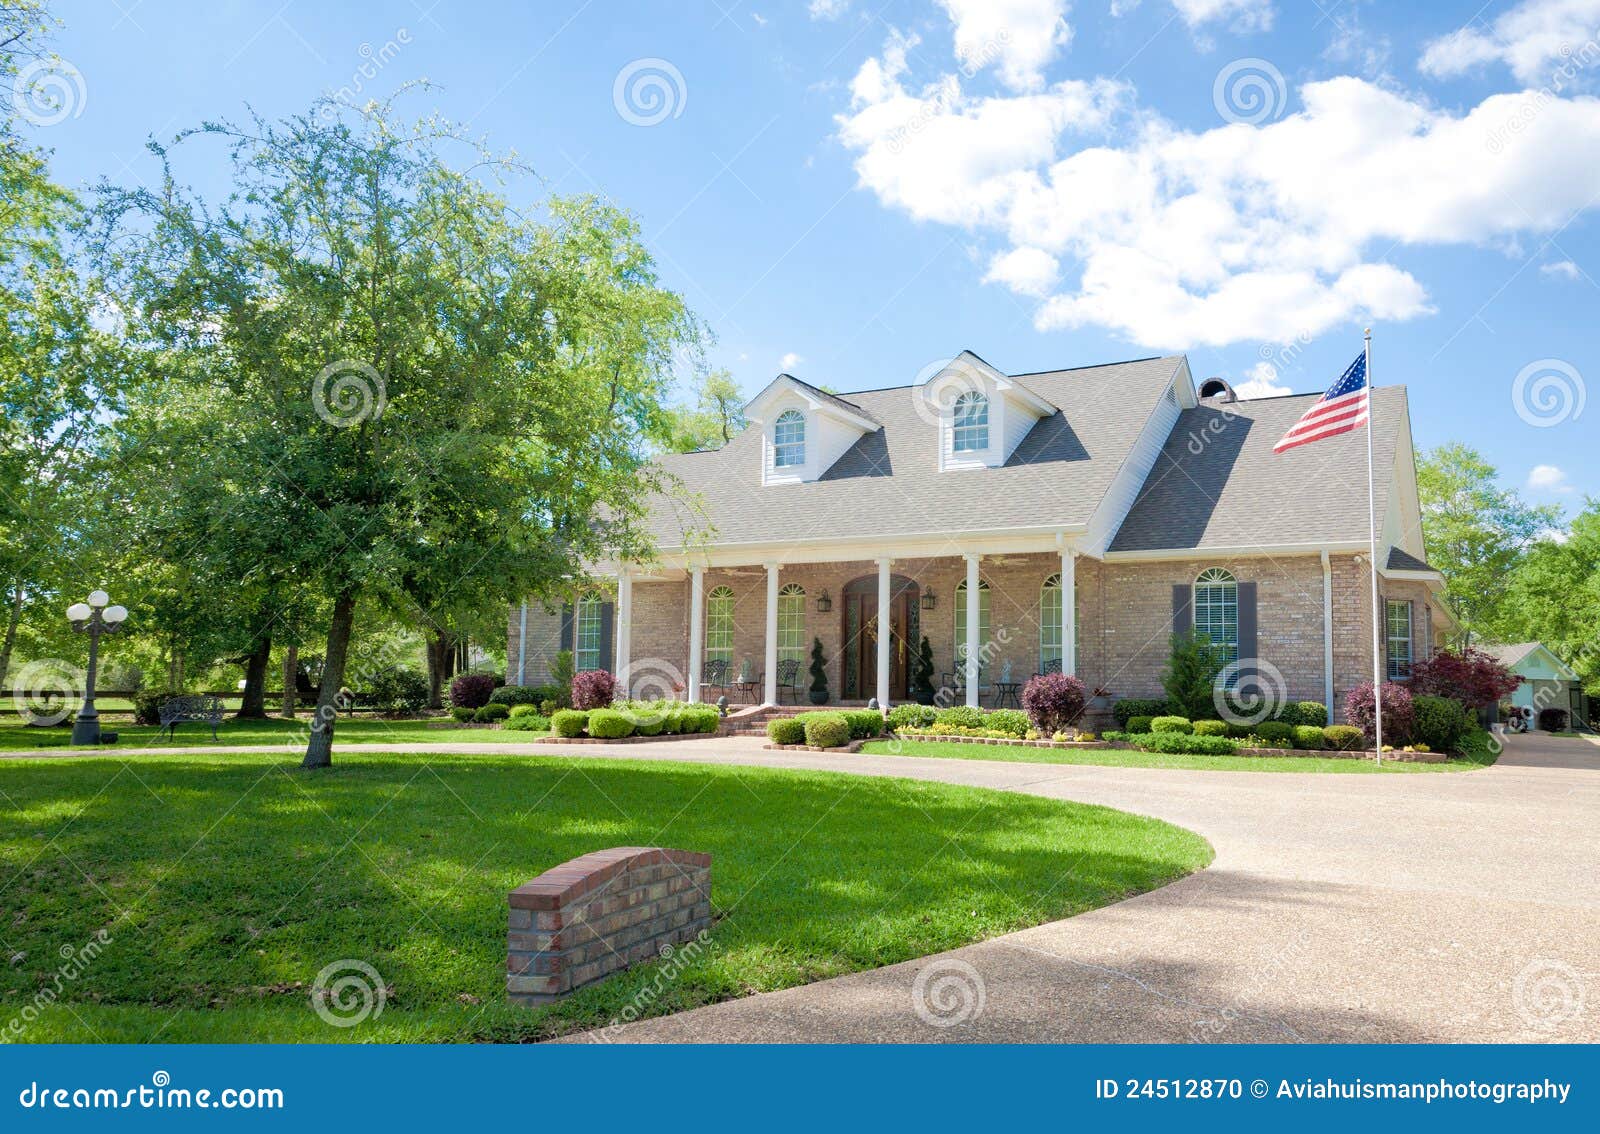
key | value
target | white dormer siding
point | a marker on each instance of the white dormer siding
(1013, 410)
(828, 429)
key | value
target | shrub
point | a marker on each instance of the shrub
(1191, 674)
(864, 723)
(911, 716)
(825, 730)
(1140, 725)
(1177, 743)
(1472, 677)
(960, 716)
(569, 722)
(786, 730)
(609, 724)
(521, 695)
(397, 689)
(922, 690)
(462, 713)
(1012, 721)
(593, 689)
(701, 718)
(472, 690)
(1211, 728)
(1553, 720)
(529, 722)
(1439, 722)
(1297, 713)
(147, 705)
(1343, 737)
(1172, 724)
(1276, 734)
(1309, 737)
(819, 673)
(1398, 711)
(524, 711)
(1130, 707)
(1053, 701)
(562, 668)
(487, 714)
(646, 722)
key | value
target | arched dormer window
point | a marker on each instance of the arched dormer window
(969, 422)
(1216, 610)
(789, 440)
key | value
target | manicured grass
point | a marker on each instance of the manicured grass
(1479, 755)
(226, 883)
(16, 736)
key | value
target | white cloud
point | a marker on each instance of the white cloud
(1027, 271)
(1182, 238)
(1566, 269)
(1540, 40)
(1017, 37)
(1246, 15)
(1548, 478)
(789, 361)
(1262, 383)
(828, 9)
(1553, 535)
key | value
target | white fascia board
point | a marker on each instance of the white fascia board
(929, 545)
(1249, 551)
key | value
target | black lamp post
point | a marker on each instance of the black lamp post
(93, 618)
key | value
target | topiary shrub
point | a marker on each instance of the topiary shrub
(1140, 725)
(529, 722)
(1309, 737)
(786, 730)
(959, 716)
(1276, 733)
(1130, 707)
(1398, 712)
(569, 722)
(487, 714)
(1553, 720)
(864, 723)
(1052, 702)
(1180, 725)
(1344, 738)
(911, 716)
(1438, 722)
(462, 713)
(1211, 728)
(1182, 744)
(472, 690)
(825, 730)
(1013, 721)
(593, 689)
(607, 724)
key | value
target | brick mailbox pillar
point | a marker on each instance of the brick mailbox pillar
(585, 919)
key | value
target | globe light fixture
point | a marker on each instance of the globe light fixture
(94, 618)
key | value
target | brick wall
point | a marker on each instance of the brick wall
(544, 640)
(609, 910)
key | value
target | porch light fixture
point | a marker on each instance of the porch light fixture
(928, 601)
(824, 603)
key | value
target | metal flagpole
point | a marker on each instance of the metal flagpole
(1372, 559)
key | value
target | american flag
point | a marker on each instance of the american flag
(1341, 409)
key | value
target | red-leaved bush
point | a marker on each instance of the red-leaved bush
(593, 689)
(1399, 713)
(471, 690)
(1471, 676)
(1053, 701)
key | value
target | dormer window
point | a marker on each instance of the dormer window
(789, 440)
(971, 423)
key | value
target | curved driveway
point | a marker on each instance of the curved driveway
(1401, 908)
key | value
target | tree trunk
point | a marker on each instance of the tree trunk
(12, 620)
(436, 652)
(291, 680)
(253, 705)
(319, 750)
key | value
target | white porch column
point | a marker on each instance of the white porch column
(1069, 612)
(624, 629)
(885, 633)
(522, 647)
(770, 693)
(697, 628)
(1327, 634)
(972, 631)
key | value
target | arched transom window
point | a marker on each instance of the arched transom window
(789, 440)
(792, 622)
(970, 423)
(1216, 610)
(719, 624)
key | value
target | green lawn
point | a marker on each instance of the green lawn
(225, 883)
(15, 736)
(1479, 755)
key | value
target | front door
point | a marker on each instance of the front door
(861, 629)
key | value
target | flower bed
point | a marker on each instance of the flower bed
(1358, 754)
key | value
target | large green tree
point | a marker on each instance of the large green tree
(714, 413)
(396, 383)
(1554, 595)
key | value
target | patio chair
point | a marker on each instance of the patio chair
(789, 678)
(1051, 666)
(715, 676)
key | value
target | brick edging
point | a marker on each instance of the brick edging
(626, 739)
(853, 746)
(1301, 753)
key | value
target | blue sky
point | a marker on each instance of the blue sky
(852, 191)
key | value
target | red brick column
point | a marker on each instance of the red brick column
(585, 919)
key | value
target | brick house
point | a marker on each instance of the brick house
(1070, 518)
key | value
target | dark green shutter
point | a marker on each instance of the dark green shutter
(1247, 625)
(566, 627)
(1182, 608)
(608, 619)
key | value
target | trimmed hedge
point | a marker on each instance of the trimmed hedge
(1211, 728)
(1309, 737)
(1179, 725)
(462, 714)
(1130, 707)
(786, 730)
(1345, 738)
(1298, 713)
(645, 722)
(525, 710)
(609, 724)
(1139, 724)
(1439, 722)
(864, 723)
(524, 694)
(569, 723)
(1182, 744)
(911, 716)
(528, 722)
(1276, 733)
(961, 716)
(1013, 721)
(490, 713)
(825, 730)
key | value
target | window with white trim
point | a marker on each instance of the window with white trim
(1216, 611)
(961, 620)
(719, 624)
(1050, 625)
(969, 420)
(1397, 622)
(792, 622)
(586, 634)
(789, 440)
